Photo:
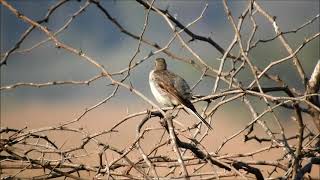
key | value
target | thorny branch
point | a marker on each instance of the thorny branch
(180, 152)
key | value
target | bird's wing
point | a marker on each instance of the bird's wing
(182, 87)
(166, 81)
(174, 86)
(167, 85)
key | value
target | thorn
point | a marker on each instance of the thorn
(274, 18)
(80, 52)
(4, 63)
(131, 87)
(150, 54)
(191, 40)
(57, 45)
(19, 14)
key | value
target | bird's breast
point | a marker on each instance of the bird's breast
(159, 95)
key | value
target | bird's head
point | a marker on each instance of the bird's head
(160, 64)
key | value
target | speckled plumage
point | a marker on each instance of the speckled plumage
(170, 89)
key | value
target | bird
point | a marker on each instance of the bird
(170, 89)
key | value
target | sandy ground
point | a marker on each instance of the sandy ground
(38, 115)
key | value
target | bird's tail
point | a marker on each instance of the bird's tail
(200, 118)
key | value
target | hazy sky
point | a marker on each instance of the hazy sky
(100, 39)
